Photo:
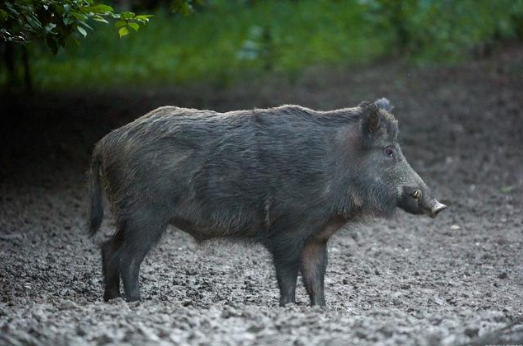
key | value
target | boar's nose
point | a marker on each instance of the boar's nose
(437, 208)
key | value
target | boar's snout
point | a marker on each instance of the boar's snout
(436, 208)
(417, 201)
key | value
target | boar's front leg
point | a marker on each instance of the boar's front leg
(286, 257)
(313, 267)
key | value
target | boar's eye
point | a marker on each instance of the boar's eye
(389, 151)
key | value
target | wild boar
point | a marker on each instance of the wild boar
(287, 177)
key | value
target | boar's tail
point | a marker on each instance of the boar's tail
(96, 209)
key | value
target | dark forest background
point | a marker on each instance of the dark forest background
(223, 41)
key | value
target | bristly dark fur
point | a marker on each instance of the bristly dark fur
(281, 176)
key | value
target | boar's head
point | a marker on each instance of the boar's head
(385, 177)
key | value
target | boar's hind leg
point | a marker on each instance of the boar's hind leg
(313, 266)
(286, 257)
(111, 266)
(142, 232)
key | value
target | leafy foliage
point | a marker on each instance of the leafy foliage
(259, 46)
(185, 7)
(214, 45)
(242, 39)
(444, 29)
(56, 21)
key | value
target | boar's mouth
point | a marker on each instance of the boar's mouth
(419, 201)
(430, 206)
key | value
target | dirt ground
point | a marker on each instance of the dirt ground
(457, 279)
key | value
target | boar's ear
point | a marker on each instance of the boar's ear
(371, 119)
(384, 104)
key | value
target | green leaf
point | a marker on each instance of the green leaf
(11, 8)
(507, 188)
(67, 20)
(49, 28)
(127, 15)
(3, 15)
(82, 31)
(100, 19)
(134, 26)
(101, 8)
(123, 31)
(80, 16)
(120, 23)
(86, 25)
(144, 17)
(33, 21)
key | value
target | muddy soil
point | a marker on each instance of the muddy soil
(457, 279)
